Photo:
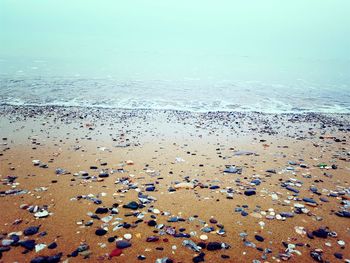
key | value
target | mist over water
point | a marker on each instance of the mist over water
(270, 56)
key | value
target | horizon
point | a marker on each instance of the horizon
(270, 41)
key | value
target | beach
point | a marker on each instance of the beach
(94, 184)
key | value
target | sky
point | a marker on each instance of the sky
(222, 39)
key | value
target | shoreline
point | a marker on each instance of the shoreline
(112, 108)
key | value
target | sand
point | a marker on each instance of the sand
(139, 148)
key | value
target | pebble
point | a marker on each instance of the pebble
(127, 236)
(249, 192)
(132, 205)
(122, 244)
(116, 252)
(32, 230)
(203, 237)
(100, 232)
(214, 246)
(41, 214)
(259, 238)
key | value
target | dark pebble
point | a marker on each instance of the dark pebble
(249, 192)
(28, 244)
(100, 232)
(32, 230)
(123, 244)
(101, 210)
(259, 238)
(213, 246)
(52, 245)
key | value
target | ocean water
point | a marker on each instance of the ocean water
(187, 94)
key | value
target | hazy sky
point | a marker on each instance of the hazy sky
(177, 39)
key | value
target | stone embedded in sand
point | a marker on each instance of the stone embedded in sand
(184, 185)
(343, 214)
(214, 246)
(259, 238)
(274, 197)
(152, 223)
(207, 229)
(249, 192)
(191, 245)
(36, 162)
(199, 258)
(292, 189)
(321, 232)
(300, 230)
(60, 171)
(132, 205)
(32, 230)
(316, 255)
(105, 219)
(129, 162)
(6, 242)
(47, 259)
(203, 237)
(309, 200)
(121, 244)
(239, 153)
(213, 220)
(152, 239)
(116, 252)
(156, 211)
(53, 245)
(256, 182)
(141, 257)
(39, 247)
(28, 244)
(100, 232)
(341, 243)
(41, 214)
(103, 175)
(127, 236)
(232, 169)
(101, 210)
(150, 188)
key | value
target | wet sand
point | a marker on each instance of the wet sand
(291, 200)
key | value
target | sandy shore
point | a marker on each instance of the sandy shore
(173, 186)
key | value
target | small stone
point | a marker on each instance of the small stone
(28, 244)
(322, 233)
(32, 230)
(6, 242)
(213, 246)
(100, 232)
(53, 245)
(152, 239)
(203, 237)
(341, 243)
(42, 214)
(123, 244)
(249, 192)
(184, 186)
(127, 236)
(116, 252)
(259, 238)
(101, 210)
(132, 205)
(39, 247)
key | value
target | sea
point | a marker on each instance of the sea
(186, 94)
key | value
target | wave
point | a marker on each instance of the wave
(169, 95)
